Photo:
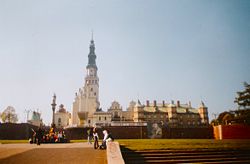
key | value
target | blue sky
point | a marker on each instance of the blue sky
(187, 50)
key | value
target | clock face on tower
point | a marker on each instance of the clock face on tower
(92, 72)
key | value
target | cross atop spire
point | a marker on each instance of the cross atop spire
(92, 35)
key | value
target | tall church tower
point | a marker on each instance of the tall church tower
(91, 86)
(87, 99)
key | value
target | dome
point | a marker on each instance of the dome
(62, 109)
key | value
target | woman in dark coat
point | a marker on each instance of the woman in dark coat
(39, 135)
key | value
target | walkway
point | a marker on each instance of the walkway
(51, 153)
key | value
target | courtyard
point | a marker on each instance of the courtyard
(51, 153)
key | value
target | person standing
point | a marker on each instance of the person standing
(95, 135)
(89, 136)
(39, 135)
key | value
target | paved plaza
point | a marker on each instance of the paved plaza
(51, 153)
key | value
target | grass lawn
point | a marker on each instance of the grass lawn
(174, 144)
(13, 141)
(76, 141)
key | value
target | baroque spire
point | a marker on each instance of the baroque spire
(92, 55)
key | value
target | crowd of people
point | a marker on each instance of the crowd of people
(41, 136)
(93, 134)
(52, 136)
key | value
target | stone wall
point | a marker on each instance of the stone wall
(191, 133)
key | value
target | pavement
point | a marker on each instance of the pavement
(51, 153)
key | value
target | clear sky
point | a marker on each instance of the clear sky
(187, 50)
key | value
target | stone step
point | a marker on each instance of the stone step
(223, 156)
(187, 151)
(214, 160)
(197, 161)
(238, 156)
(159, 154)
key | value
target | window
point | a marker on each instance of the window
(116, 114)
(91, 89)
(59, 121)
(95, 93)
(99, 118)
(105, 118)
(89, 121)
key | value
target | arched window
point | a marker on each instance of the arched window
(59, 121)
(116, 114)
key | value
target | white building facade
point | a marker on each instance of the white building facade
(62, 117)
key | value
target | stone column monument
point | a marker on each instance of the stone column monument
(53, 109)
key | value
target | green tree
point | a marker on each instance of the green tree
(243, 97)
(9, 115)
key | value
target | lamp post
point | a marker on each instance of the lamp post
(141, 130)
(27, 116)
